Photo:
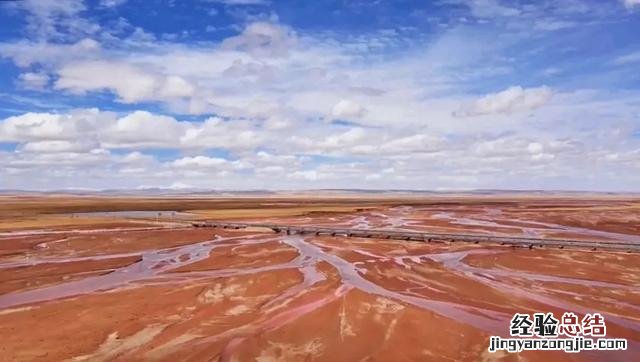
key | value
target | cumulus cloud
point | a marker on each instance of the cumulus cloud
(512, 99)
(49, 126)
(133, 84)
(263, 39)
(269, 98)
(217, 133)
(136, 130)
(81, 144)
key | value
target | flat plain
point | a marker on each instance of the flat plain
(129, 278)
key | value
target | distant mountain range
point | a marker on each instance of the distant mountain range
(230, 193)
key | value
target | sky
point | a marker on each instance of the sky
(285, 95)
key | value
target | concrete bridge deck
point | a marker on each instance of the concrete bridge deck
(513, 241)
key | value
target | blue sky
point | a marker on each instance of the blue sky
(258, 94)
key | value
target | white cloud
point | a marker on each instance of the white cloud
(630, 4)
(263, 158)
(241, 2)
(347, 109)
(512, 99)
(175, 87)
(413, 143)
(217, 133)
(112, 3)
(309, 175)
(58, 146)
(402, 158)
(138, 129)
(143, 129)
(542, 157)
(46, 9)
(237, 77)
(132, 83)
(263, 39)
(25, 53)
(490, 8)
(275, 93)
(535, 147)
(48, 19)
(33, 81)
(58, 161)
(48, 126)
(199, 162)
(504, 147)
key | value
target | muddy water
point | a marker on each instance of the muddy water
(351, 277)
(484, 220)
(152, 263)
(30, 233)
(493, 218)
(156, 264)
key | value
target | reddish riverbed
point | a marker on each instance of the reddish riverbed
(136, 292)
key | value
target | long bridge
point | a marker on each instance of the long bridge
(514, 241)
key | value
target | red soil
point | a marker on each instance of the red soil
(203, 294)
